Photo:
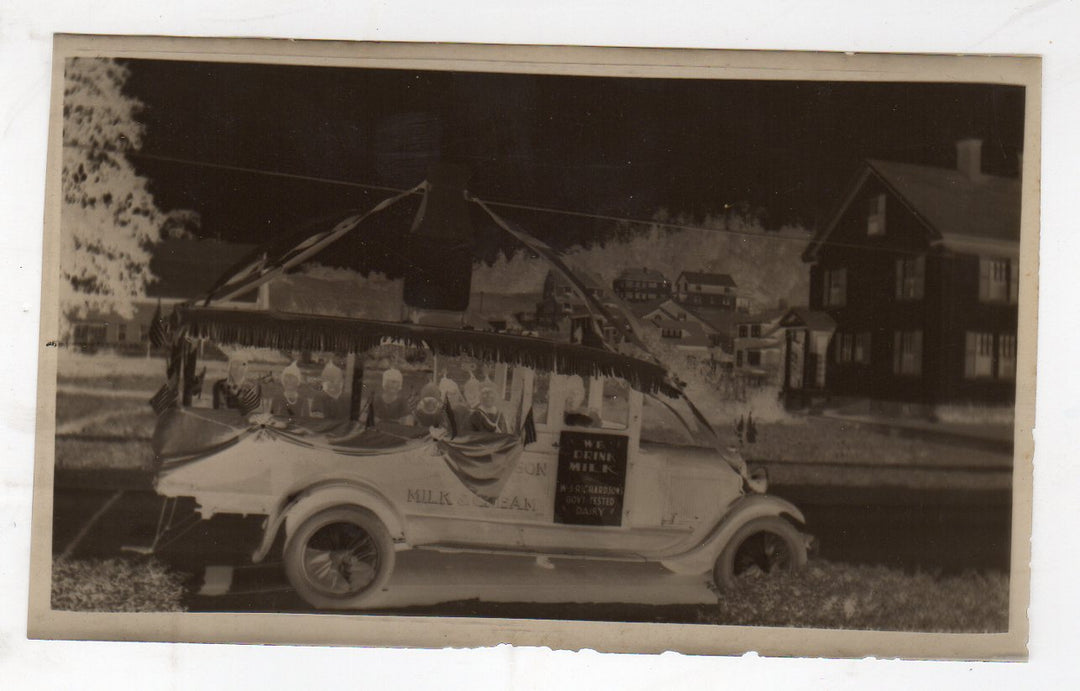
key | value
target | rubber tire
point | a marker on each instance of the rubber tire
(294, 552)
(723, 570)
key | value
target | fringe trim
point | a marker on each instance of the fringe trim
(288, 331)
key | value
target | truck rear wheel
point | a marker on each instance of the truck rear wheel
(763, 546)
(339, 557)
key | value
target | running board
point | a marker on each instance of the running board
(457, 548)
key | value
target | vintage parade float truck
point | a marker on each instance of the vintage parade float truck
(357, 438)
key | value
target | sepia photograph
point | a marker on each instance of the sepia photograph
(668, 342)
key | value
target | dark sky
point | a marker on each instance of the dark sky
(612, 146)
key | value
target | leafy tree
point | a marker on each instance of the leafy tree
(109, 220)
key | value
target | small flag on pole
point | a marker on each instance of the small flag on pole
(528, 429)
(450, 416)
(159, 329)
(197, 384)
(165, 398)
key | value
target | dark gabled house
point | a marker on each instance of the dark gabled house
(700, 289)
(641, 285)
(919, 270)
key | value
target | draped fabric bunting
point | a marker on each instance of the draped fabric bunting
(287, 331)
(483, 461)
(190, 434)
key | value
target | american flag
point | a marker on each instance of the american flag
(165, 398)
(159, 329)
(249, 398)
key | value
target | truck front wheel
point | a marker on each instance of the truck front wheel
(763, 546)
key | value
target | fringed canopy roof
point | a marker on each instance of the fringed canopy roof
(289, 331)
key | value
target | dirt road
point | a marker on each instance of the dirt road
(950, 532)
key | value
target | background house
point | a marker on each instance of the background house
(564, 314)
(641, 285)
(718, 325)
(687, 336)
(185, 269)
(697, 288)
(758, 346)
(919, 269)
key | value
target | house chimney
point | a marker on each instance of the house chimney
(969, 157)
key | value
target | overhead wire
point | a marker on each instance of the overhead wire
(760, 234)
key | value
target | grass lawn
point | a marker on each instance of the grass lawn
(80, 454)
(121, 584)
(135, 424)
(117, 382)
(827, 440)
(71, 406)
(843, 596)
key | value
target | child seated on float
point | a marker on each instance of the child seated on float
(389, 405)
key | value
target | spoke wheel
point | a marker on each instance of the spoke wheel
(762, 547)
(338, 557)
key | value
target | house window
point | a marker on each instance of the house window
(978, 355)
(861, 349)
(910, 278)
(121, 333)
(1006, 368)
(994, 280)
(144, 333)
(875, 219)
(907, 352)
(753, 358)
(1014, 280)
(744, 330)
(755, 331)
(845, 344)
(853, 348)
(836, 288)
(89, 334)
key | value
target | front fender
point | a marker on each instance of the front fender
(293, 512)
(702, 557)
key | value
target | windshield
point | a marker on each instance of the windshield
(670, 421)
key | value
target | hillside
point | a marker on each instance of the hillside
(766, 266)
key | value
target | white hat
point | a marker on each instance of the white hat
(331, 371)
(292, 371)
